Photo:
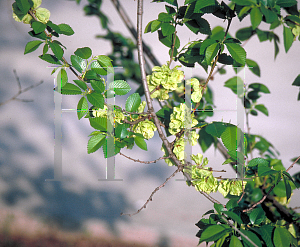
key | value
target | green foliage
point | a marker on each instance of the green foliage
(251, 216)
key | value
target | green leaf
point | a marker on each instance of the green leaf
(270, 16)
(266, 234)
(288, 38)
(262, 109)
(62, 75)
(204, 3)
(50, 59)
(99, 123)
(97, 68)
(256, 17)
(211, 52)
(234, 217)
(140, 142)
(56, 49)
(297, 81)
(81, 84)
(288, 188)
(286, 3)
(205, 140)
(65, 29)
(23, 5)
(258, 161)
(257, 216)
(133, 102)
(84, 52)
(98, 86)
(237, 52)
(82, 108)
(288, 177)
(91, 75)
(168, 40)
(281, 237)
(252, 236)
(121, 131)
(155, 25)
(120, 87)
(235, 83)
(32, 46)
(265, 171)
(245, 2)
(214, 232)
(253, 66)
(244, 33)
(167, 29)
(95, 142)
(105, 61)
(231, 137)
(225, 59)
(96, 99)
(70, 89)
(45, 49)
(78, 63)
(110, 148)
(219, 208)
(235, 242)
(259, 87)
(38, 27)
(215, 129)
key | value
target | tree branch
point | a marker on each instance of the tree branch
(20, 91)
(133, 31)
(145, 162)
(153, 192)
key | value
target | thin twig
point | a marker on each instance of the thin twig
(133, 31)
(144, 162)
(153, 192)
(293, 164)
(20, 91)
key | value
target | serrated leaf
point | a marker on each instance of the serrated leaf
(231, 138)
(82, 108)
(133, 102)
(120, 87)
(266, 234)
(257, 216)
(288, 38)
(95, 142)
(211, 52)
(233, 216)
(56, 49)
(288, 188)
(91, 75)
(121, 131)
(245, 2)
(65, 29)
(281, 237)
(262, 109)
(204, 3)
(256, 17)
(109, 147)
(155, 25)
(38, 27)
(98, 86)
(237, 52)
(253, 66)
(258, 161)
(214, 232)
(81, 84)
(84, 52)
(99, 123)
(50, 59)
(32, 46)
(70, 89)
(225, 59)
(286, 3)
(97, 68)
(252, 236)
(215, 129)
(78, 63)
(96, 99)
(63, 77)
(265, 171)
(140, 142)
(105, 62)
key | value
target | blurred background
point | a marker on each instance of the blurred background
(80, 209)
